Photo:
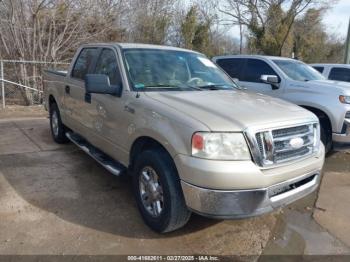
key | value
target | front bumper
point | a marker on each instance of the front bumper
(344, 137)
(228, 204)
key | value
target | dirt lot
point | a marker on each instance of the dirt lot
(57, 200)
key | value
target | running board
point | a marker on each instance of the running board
(106, 161)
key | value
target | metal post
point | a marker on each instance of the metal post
(347, 47)
(2, 85)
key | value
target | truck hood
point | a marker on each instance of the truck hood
(329, 86)
(233, 110)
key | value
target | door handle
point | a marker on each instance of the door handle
(67, 89)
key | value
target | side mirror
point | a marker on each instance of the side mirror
(271, 79)
(99, 84)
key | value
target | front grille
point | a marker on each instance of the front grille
(286, 144)
(290, 131)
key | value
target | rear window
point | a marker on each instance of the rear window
(83, 63)
(319, 68)
(232, 66)
(340, 74)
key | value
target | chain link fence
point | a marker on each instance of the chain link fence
(22, 81)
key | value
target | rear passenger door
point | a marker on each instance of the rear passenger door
(251, 77)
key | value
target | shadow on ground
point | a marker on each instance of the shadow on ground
(74, 187)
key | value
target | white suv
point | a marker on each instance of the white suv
(338, 72)
(299, 83)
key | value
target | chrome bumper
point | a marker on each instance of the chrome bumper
(246, 203)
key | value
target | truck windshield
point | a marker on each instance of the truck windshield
(298, 71)
(161, 70)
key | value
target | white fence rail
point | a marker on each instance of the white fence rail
(22, 82)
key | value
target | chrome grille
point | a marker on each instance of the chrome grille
(285, 144)
(290, 131)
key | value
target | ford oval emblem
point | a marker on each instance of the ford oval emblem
(296, 143)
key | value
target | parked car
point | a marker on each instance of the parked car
(191, 141)
(337, 72)
(299, 83)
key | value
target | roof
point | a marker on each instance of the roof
(333, 65)
(139, 45)
(253, 56)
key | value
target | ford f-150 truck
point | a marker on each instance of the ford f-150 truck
(298, 83)
(189, 137)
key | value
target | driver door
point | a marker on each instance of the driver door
(107, 112)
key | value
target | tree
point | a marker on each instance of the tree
(50, 31)
(196, 31)
(149, 21)
(189, 27)
(236, 12)
(312, 43)
(269, 22)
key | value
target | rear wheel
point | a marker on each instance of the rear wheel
(58, 129)
(158, 191)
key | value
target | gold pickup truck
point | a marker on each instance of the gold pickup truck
(186, 133)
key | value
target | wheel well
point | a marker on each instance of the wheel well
(51, 100)
(322, 116)
(141, 144)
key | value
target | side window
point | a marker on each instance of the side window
(340, 74)
(254, 69)
(319, 68)
(107, 65)
(81, 66)
(232, 66)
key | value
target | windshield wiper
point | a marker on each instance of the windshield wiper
(173, 87)
(214, 87)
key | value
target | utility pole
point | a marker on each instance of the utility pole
(347, 47)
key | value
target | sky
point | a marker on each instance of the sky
(337, 18)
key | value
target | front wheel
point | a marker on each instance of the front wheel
(158, 191)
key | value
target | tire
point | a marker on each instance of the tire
(167, 191)
(326, 134)
(58, 129)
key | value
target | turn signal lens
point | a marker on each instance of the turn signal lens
(197, 142)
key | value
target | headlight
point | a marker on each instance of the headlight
(344, 99)
(220, 146)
